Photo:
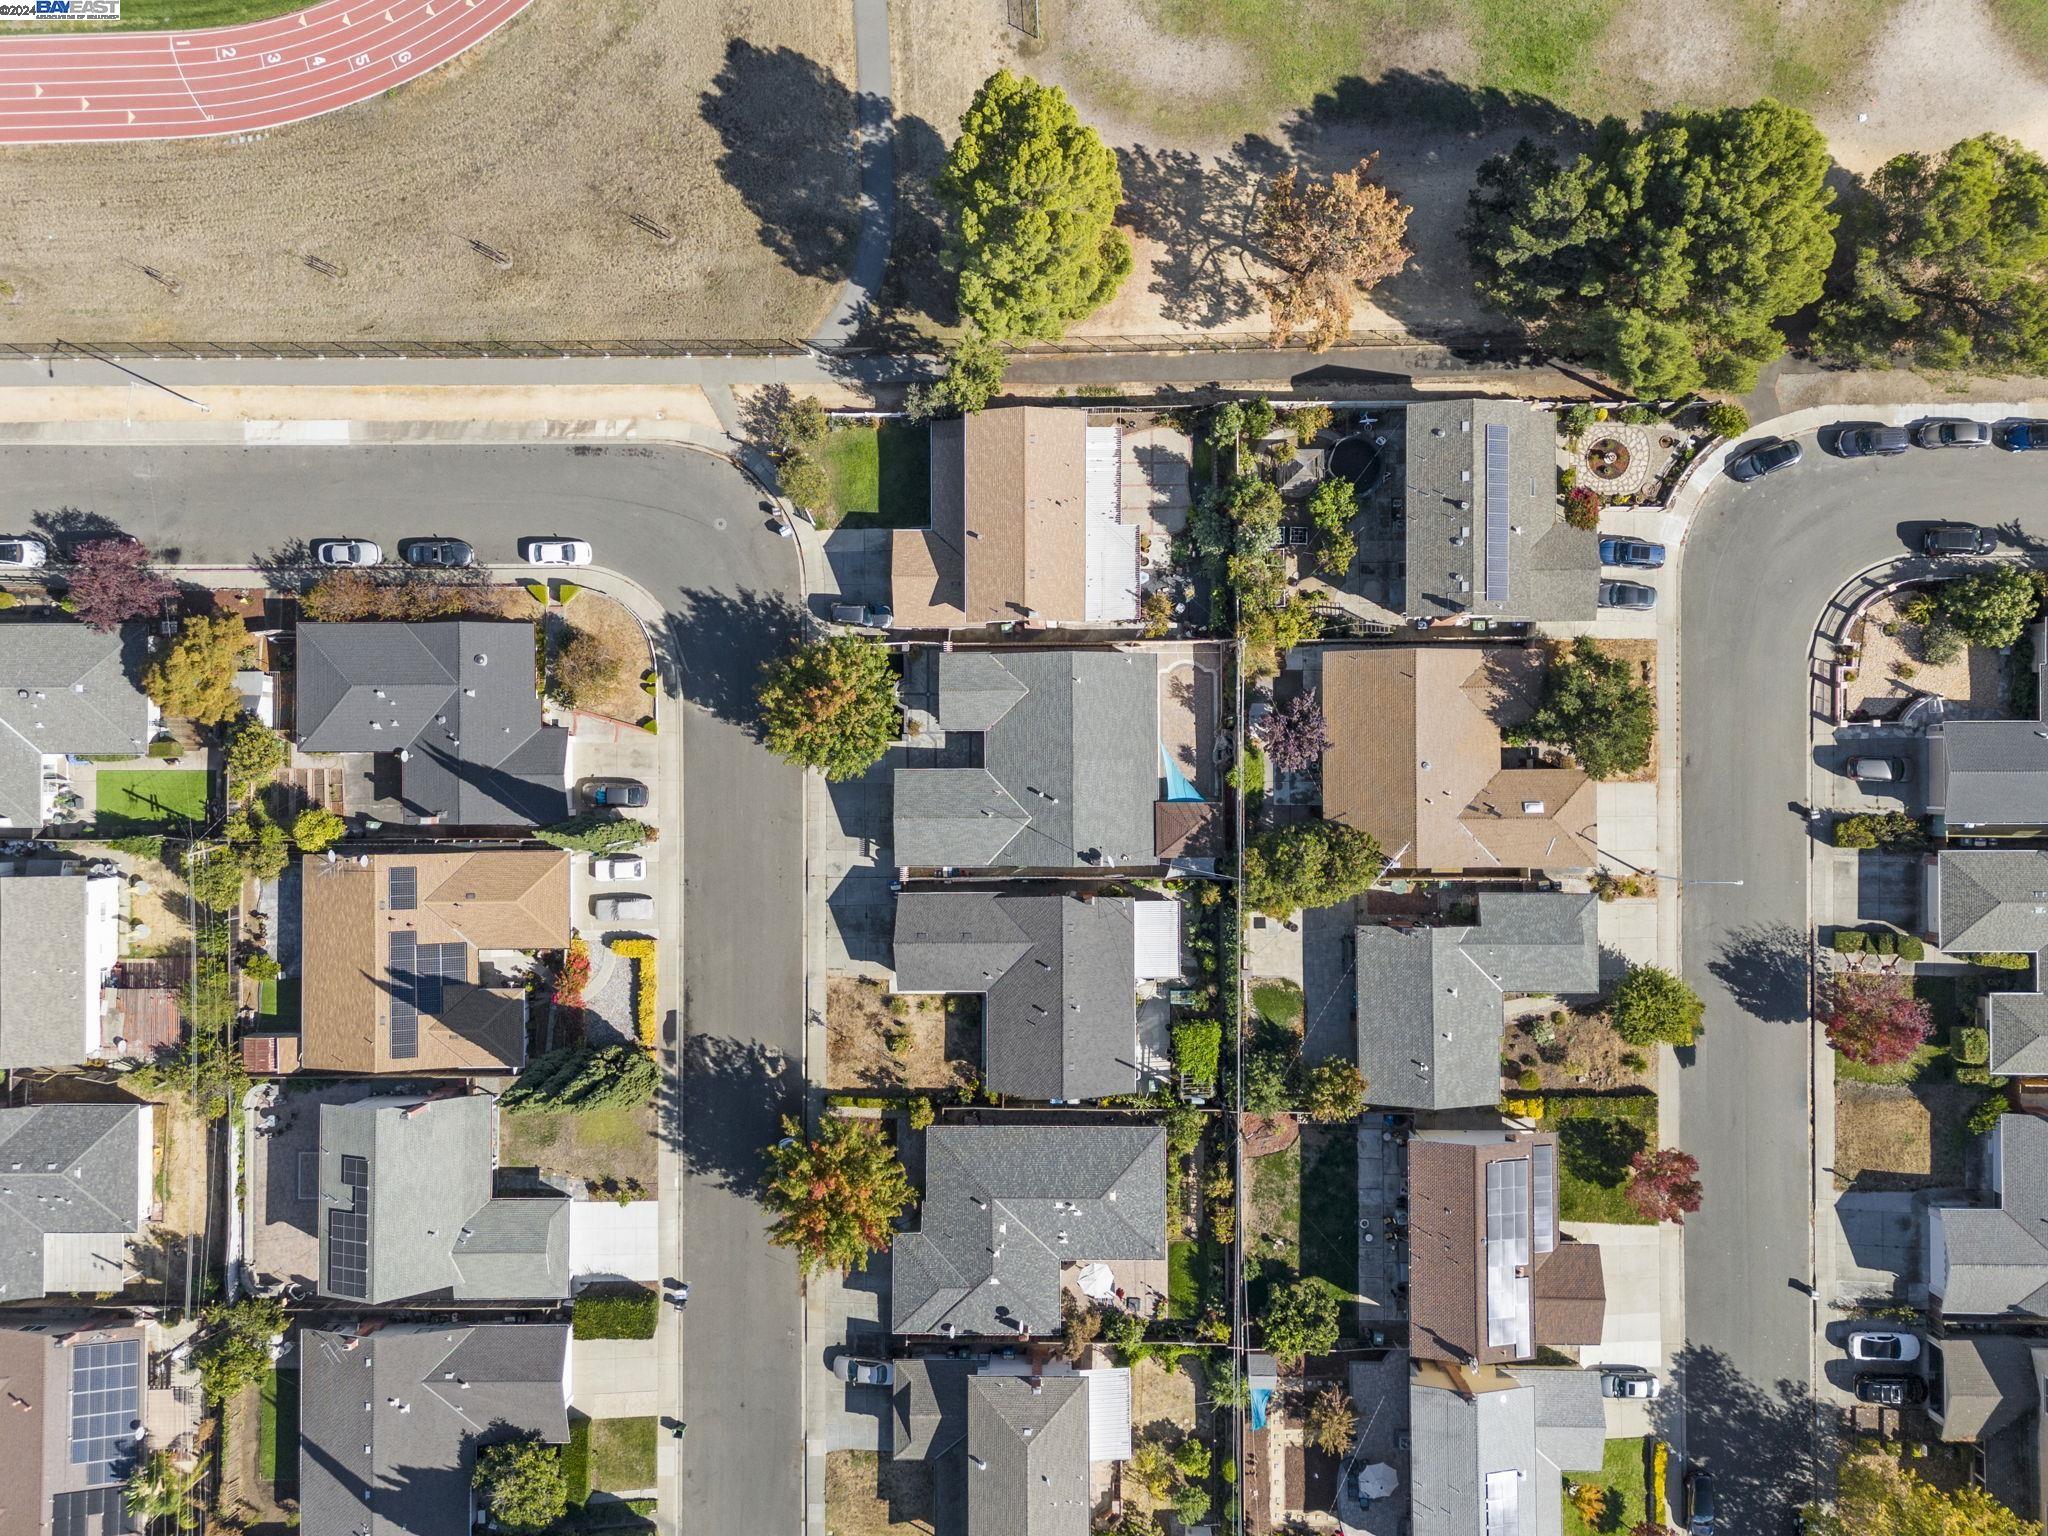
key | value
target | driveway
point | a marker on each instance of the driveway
(1760, 564)
(686, 527)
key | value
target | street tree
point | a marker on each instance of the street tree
(1294, 734)
(1309, 864)
(835, 1195)
(193, 678)
(1664, 1184)
(1951, 263)
(1991, 608)
(112, 581)
(1032, 194)
(1873, 1018)
(798, 425)
(1329, 240)
(1650, 1004)
(973, 377)
(1878, 1496)
(1665, 254)
(832, 705)
(1334, 1090)
(1594, 707)
(1300, 1320)
(522, 1484)
(803, 480)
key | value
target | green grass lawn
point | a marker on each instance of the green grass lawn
(1952, 1001)
(178, 15)
(1596, 1139)
(128, 802)
(881, 475)
(1329, 1205)
(277, 1431)
(277, 1004)
(1278, 1002)
(1183, 1278)
(1625, 1473)
(622, 1454)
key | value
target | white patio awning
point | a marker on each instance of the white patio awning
(1155, 932)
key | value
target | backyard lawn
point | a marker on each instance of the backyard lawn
(1278, 1002)
(1329, 1205)
(1596, 1138)
(881, 475)
(622, 1455)
(1625, 1474)
(1184, 1278)
(277, 1431)
(128, 802)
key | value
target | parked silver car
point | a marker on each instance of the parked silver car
(1952, 432)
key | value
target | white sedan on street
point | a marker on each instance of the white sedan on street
(1883, 1344)
(347, 552)
(23, 554)
(556, 552)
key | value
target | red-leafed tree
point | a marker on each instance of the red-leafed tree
(111, 581)
(1295, 734)
(1664, 1184)
(1874, 1019)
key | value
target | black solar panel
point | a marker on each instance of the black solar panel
(106, 1404)
(89, 1512)
(404, 888)
(405, 994)
(348, 1234)
(1496, 513)
(438, 963)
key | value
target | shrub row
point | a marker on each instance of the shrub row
(646, 984)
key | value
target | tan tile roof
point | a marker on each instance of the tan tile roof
(1008, 540)
(496, 899)
(1415, 760)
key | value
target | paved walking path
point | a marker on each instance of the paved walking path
(875, 135)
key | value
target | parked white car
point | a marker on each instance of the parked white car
(1883, 1344)
(23, 554)
(623, 908)
(347, 552)
(618, 866)
(555, 552)
(1640, 1385)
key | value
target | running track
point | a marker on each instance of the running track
(82, 87)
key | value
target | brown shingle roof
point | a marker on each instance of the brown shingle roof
(1571, 1295)
(497, 899)
(1415, 760)
(24, 1358)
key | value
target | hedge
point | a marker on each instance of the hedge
(626, 1313)
(646, 983)
(1884, 942)
(2002, 962)
(576, 1459)
(1973, 1045)
(537, 590)
(1911, 949)
(165, 749)
(1850, 941)
(1979, 1077)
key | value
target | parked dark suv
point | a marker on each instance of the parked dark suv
(1872, 442)
(1958, 539)
(1699, 1502)
(1890, 1391)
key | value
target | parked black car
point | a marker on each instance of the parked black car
(1760, 459)
(1699, 1502)
(1890, 1391)
(1627, 594)
(1872, 442)
(614, 794)
(1958, 539)
(449, 554)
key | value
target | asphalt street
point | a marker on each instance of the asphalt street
(689, 530)
(1760, 564)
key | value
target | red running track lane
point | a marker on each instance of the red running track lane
(84, 87)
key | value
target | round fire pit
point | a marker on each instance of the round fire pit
(1608, 458)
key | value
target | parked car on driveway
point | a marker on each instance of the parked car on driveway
(444, 554)
(555, 552)
(1876, 770)
(1872, 442)
(608, 794)
(1637, 553)
(618, 866)
(1764, 458)
(624, 908)
(878, 617)
(1627, 594)
(2021, 436)
(857, 1372)
(1630, 1384)
(347, 552)
(1951, 432)
(1699, 1502)
(1883, 1344)
(1958, 539)
(23, 554)
(1890, 1391)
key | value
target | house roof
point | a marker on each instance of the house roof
(1429, 999)
(2019, 1033)
(1027, 1456)
(1523, 1429)
(66, 1170)
(392, 936)
(44, 1362)
(1450, 482)
(424, 1169)
(1479, 1242)
(1996, 1258)
(1991, 900)
(928, 1406)
(1991, 773)
(66, 689)
(1068, 773)
(1007, 540)
(1415, 760)
(1056, 973)
(458, 696)
(1987, 1382)
(988, 1248)
(49, 996)
(390, 1422)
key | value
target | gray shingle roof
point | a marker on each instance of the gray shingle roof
(1059, 1011)
(986, 1255)
(478, 753)
(1429, 1000)
(1538, 1423)
(49, 996)
(65, 688)
(1553, 568)
(927, 1406)
(1992, 900)
(1987, 1382)
(391, 1422)
(65, 1168)
(1997, 1258)
(1069, 769)
(434, 1223)
(1027, 1456)
(2019, 1033)
(1991, 773)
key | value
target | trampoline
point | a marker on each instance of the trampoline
(1358, 459)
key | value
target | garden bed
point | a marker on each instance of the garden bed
(1597, 1136)
(938, 1040)
(1584, 1055)
(1891, 669)
(614, 628)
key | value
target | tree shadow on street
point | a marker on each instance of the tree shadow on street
(729, 1109)
(718, 642)
(1769, 1449)
(68, 527)
(1204, 215)
(1765, 968)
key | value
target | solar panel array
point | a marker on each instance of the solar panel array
(348, 1234)
(1508, 1307)
(1545, 1196)
(439, 964)
(404, 888)
(1496, 513)
(405, 1017)
(106, 1404)
(89, 1512)
(1504, 1504)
